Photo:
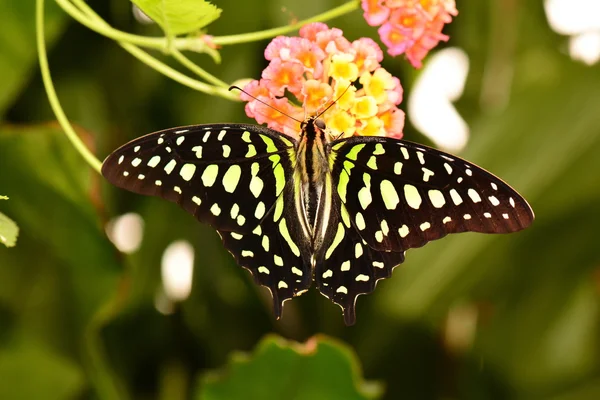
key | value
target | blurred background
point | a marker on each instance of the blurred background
(153, 311)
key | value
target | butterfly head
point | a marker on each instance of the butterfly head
(313, 128)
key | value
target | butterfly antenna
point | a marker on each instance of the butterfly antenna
(266, 104)
(335, 101)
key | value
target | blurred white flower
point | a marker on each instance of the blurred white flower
(126, 232)
(579, 19)
(430, 107)
(177, 270)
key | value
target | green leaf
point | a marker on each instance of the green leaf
(321, 368)
(177, 17)
(8, 230)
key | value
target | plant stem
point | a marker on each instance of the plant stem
(176, 75)
(100, 26)
(158, 65)
(269, 33)
(51, 92)
(189, 64)
(81, 12)
(105, 383)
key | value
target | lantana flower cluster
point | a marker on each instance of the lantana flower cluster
(321, 69)
(411, 27)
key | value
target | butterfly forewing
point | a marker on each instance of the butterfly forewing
(400, 195)
(226, 175)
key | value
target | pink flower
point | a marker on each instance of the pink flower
(368, 54)
(280, 47)
(310, 31)
(411, 27)
(307, 74)
(375, 12)
(281, 75)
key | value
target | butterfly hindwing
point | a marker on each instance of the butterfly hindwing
(401, 195)
(275, 252)
(347, 266)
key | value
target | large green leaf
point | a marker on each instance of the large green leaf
(179, 16)
(322, 368)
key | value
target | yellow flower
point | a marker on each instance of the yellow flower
(347, 99)
(376, 85)
(371, 127)
(339, 122)
(342, 67)
(364, 107)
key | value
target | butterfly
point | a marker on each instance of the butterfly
(340, 212)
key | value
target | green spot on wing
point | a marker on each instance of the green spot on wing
(271, 148)
(339, 236)
(209, 176)
(246, 137)
(343, 185)
(353, 153)
(232, 178)
(278, 209)
(283, 229)
(279, 178)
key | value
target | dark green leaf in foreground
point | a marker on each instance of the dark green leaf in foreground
(321, 368)
(8, 229)
(177, 17)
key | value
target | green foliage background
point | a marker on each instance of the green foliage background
(77, 319)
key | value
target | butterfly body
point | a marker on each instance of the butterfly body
(341, 212)
(314, 174)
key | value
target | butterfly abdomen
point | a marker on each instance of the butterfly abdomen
(312, 171)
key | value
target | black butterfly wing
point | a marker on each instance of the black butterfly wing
(402, 195)
(346, 266)
(233, 177)
(392, 195)
(281, 253)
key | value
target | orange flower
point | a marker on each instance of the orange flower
(307, 73)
